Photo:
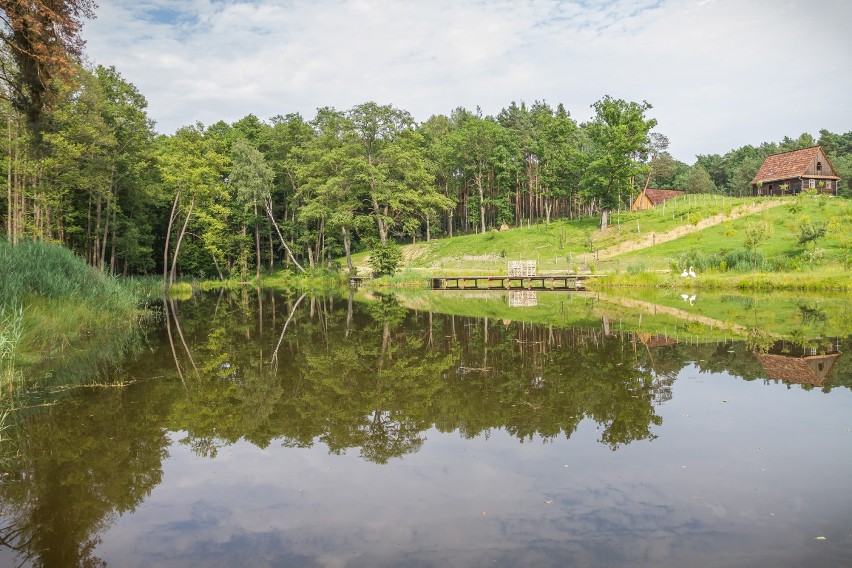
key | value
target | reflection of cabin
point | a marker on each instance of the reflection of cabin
(792, 172)
(653, 341)
(650, 198)
(800, 365)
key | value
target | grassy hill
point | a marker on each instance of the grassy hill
(687, 231)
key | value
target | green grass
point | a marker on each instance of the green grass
(781, 250)
(64, 306)
(568, 247)
(562, 246)
(709, 317)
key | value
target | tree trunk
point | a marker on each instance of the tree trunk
(179, 241)
(347, 246)
(168, 235)
(112, 244)
(216, 264)
(243, 256)
(280, 236)
(383, 230)
(97, 245)
(604, 215)
(481, 203)
(271, 251)
(257, 239)
(102, 262)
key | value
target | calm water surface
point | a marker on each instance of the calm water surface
(264, 430)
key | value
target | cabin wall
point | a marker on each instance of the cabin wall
(825, 170)
(794, 186)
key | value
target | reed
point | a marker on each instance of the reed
(33, 268)
(55, 306)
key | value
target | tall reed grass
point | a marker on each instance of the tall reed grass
(51, 299)
(33, 268)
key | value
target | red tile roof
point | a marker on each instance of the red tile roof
(657, 196)
(788, 165)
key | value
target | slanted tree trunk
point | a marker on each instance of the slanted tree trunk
(168, 236)
(179, 241)
(280, 236)
(257, 240)
(347, 246)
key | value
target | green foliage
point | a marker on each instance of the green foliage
(809, 231)
(635, 268)
(756, 233)
(384, 258)
(33, 268)
(618, 133)
(698, 181)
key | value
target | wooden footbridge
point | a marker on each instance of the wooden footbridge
(571, 282)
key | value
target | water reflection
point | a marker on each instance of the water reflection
(368, 379)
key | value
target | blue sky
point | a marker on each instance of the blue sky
(719, 73)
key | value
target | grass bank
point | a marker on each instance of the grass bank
(54, 305)
(651, 248)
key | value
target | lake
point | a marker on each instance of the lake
(263, 428)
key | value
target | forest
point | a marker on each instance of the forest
(86, 168)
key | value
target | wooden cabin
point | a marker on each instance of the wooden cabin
(796, 171)
(650, 198)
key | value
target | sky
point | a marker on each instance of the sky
(719, 74)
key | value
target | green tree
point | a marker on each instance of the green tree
(331, 186)
(809, 231)
(193, 167)
(619, 137)
(480, 145)
(44, 39)
(698, 181)
(251, 179)
(756, 233)
(396, 181)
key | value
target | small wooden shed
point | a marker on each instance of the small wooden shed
(650, 198)
(796, 171)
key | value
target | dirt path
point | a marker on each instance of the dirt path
(652, 239)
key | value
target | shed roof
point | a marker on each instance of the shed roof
(657, 196)
(791, 164)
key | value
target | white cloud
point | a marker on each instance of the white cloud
(720, 73)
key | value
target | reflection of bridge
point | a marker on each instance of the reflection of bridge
(570, 282)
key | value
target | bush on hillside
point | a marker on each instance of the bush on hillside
(384, 258)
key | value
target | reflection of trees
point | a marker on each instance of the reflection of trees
(377, 379)
(370, 377)
(542, 382)
(67, 479)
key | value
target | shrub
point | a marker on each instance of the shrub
(385, 258)
(636, 268)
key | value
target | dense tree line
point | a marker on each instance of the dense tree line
(731, 173)
(85, 168)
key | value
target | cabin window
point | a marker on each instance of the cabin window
(770, 188)
(819, 166)
(812, 183)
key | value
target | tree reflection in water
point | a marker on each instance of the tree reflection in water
(298, 371)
